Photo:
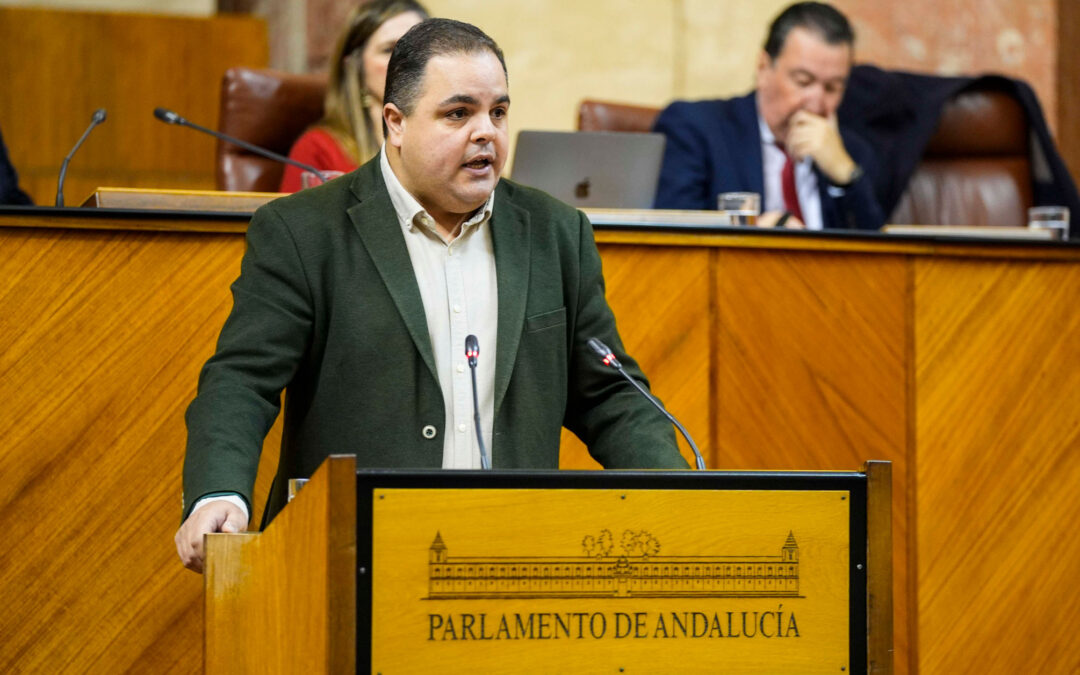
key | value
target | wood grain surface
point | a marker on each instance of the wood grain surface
(997, 462)
(812, 373)
(102, 335)
(958, 362)
(880, 649)
(60, 66)
(290, 590)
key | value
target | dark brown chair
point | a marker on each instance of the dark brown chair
(976, 169)
(270, 109)
(607, 116)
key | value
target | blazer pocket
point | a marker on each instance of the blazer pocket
(545, 320)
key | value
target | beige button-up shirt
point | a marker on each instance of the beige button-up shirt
(458, 286)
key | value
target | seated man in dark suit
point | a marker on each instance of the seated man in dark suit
(781, 141)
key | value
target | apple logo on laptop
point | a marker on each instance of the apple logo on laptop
(581, 190)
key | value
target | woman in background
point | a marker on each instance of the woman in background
(350, 131)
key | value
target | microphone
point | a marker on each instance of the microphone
(609, 359)
(472, 351)
(98, 118)
(169, 117)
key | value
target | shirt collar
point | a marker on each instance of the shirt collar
(411, 214)
(767, 137)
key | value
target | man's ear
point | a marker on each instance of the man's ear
(764, 63)
(395, 124)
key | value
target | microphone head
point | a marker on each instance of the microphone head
(603, 352)
(99, 116)
(167, 116)
(472, 349)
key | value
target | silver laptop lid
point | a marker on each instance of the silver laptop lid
(591, 169)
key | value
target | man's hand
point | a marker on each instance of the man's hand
(772, 219)
(819, 139)
(216, 516)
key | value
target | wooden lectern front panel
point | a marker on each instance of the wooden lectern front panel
(602, 580)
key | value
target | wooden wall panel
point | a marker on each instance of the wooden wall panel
(811, 363)
(998, 438)
(60, 66)
(661, 299)
(815, 340)
(102, 335)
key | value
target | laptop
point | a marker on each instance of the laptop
(591, 169)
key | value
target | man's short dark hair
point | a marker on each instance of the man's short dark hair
(424, 41)
(824, 20)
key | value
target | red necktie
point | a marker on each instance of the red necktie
(787, 186)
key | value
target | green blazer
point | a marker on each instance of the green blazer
(328, 309)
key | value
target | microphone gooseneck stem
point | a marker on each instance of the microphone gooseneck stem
(60, 181)
(472, 354)
(609, 359)
(99, 117)
(693, 446)
(172, 118)
(485, 462)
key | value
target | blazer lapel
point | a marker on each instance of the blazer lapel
(511, 240)
(377, 225)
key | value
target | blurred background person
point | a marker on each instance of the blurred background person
(350, 132)
(9, 181)
(781, 141)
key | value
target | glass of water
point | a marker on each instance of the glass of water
(742, 208)
(1054, 218)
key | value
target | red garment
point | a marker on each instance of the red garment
(319, 149)
(787, 185)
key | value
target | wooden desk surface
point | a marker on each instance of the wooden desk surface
(633, 229)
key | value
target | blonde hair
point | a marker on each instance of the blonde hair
(346, 107)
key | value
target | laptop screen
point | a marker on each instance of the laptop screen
(591, 169)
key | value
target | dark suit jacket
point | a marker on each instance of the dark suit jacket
(715, 146)
(897, 113)
(9, 181)
(327, 306)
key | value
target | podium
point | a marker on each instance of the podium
(572, 571)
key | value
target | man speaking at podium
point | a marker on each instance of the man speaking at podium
(355, 298)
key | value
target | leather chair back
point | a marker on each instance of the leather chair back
(607, 116)
(267, 108)
(976, 169)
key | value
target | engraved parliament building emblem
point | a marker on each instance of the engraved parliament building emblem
(632, 569)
